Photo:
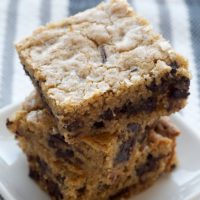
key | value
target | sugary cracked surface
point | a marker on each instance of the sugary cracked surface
(93, 59)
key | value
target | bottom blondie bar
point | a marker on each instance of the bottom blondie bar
(153, 157)
(62, 183)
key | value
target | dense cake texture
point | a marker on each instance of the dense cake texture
(61, 183)
(155, 157)
(104, 68)
(63, 178)
(102, 152)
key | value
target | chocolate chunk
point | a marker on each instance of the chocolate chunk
(179, 94)
(130, 108)
(103, 53)
(174, 67)
(153, 86)
(81, 190)
(54, 190)
(60, 178)
(180, 89)
(124, 150)
(150, 165)
(55, 140)
(135, 69)
(74, 125)
(108, 115)
(30, 158)
(133, 127)
(162, 87)
(98, 125)
(42, 164)
(34, 174)
(149, 105)
(173, 166)
(8, 122)
(17, 134)
(66, 154)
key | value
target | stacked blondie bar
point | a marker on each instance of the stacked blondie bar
(95, 128)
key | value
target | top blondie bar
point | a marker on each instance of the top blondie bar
(103, 67)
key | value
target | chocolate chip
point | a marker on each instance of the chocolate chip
(60, 178)
(55, 140)
(153, 86)
(149, 105)
(173, 166)
(135, 69)
(133, 127)
(66, 154)
(179, 94)
(54, 190)
(34, 174)
(103, 53)
(130, 108)
(42, 164)
(74, 125)
(125, 150)
(150, 165)
(98, 125)
(180, 89)
(174, 67)
(17, 133)
(162, 87)
(30, 158)
(81, 190)
(8, 122)
(108, 115)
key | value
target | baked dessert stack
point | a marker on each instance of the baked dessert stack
(96, 167)
(95, 127)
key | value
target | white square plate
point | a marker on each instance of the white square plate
(182, 184)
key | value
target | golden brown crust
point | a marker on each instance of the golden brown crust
(101, 59)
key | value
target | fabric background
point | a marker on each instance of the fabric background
(177, 20)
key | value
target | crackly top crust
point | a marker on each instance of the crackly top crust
(107, 48)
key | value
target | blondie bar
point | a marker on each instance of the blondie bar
(104, 68)
(102, 152)
(156, 157)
